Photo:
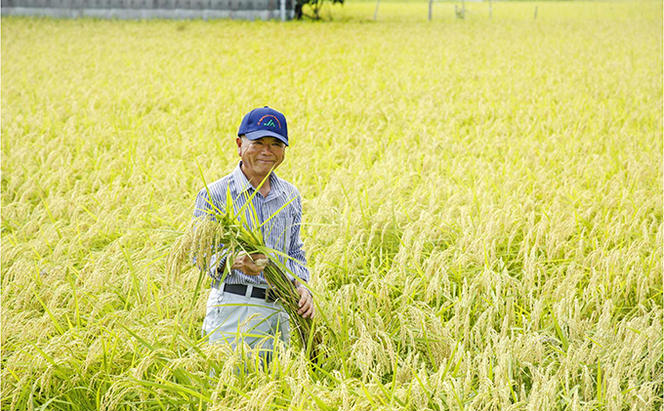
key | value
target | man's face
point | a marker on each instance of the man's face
(261, 155)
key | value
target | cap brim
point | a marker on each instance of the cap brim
(255, 135)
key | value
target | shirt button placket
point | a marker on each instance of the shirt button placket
(259, 211)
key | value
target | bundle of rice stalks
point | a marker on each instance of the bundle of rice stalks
(226, 233)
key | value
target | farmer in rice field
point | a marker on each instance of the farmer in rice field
(240, 304)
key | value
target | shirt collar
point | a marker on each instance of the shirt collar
(242, 183)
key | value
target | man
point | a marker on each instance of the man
(241, 306)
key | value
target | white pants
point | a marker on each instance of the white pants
(233, 318)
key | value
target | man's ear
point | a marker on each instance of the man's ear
(238, 141)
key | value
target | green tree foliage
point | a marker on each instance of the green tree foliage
(315, 7)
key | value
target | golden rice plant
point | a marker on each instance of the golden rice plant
(483, 212)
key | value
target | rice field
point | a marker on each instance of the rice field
(482, 207)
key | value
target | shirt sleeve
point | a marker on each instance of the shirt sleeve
(297, 264)
(205, 208)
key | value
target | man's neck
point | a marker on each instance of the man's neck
(255, 180)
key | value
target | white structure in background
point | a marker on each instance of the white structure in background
(459, 10)
(146, 9)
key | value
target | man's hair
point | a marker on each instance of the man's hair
(244, 137)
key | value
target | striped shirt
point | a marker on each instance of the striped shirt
(281, 232)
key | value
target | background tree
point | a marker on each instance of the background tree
(316, 5)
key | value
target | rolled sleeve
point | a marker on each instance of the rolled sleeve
(297, 264)
(205, 209)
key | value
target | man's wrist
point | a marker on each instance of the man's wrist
(298, 284)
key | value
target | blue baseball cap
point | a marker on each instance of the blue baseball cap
(264, 122)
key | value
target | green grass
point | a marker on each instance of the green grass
(482, 206)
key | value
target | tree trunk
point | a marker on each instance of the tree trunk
(298, 10)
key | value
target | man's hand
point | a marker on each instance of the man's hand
(306, 303)
(250, 264)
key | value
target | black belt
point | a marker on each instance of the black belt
(241, 289)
